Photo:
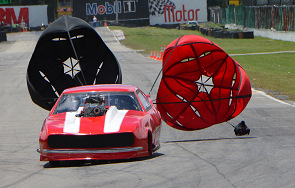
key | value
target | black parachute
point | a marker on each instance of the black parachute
(69, 53)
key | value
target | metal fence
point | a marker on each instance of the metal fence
(280, 18)
(268, 2)
(215, 14)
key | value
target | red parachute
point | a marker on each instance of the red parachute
(201, 85)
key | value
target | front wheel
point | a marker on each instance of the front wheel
(150, 144)
(54, 163)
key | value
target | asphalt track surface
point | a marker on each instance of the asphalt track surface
(213, 157)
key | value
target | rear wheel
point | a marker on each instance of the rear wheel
(54, 163)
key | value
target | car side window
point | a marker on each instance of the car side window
(144, 101)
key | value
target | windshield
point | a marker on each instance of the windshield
(122, 100)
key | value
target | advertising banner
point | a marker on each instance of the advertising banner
(177, 11)
(127, 10)
(34, 15)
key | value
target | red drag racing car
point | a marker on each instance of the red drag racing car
(100, 122)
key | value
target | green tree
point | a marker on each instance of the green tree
(214, 3)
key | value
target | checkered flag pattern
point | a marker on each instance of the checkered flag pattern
(156, 7)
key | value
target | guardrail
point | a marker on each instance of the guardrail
(220, 33)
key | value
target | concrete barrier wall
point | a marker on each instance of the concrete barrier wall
(3, 36)
(277, 35)
(268, 33)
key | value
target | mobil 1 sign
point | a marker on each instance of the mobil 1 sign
(136, 9)
(177, 11)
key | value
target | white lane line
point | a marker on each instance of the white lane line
(272, 98)
(114, 35)
(10, 47)
(262, 53)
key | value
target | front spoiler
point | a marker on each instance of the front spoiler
(75, 151)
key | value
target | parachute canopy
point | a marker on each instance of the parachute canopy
(69, 53)
(201, 85)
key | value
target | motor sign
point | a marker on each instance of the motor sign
(177, 11)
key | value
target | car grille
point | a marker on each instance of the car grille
(91, 141)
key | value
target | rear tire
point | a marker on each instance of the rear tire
(54, 163)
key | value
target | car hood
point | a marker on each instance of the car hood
(113, 121)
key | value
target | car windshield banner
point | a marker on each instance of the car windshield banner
(177, 11)
(106, 10)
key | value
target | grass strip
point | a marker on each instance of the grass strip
(275, 72)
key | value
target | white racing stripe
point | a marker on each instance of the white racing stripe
(72, 123)
(113, 119)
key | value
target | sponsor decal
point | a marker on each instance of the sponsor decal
(34, 15)
(108, 8)
(7, 15)
(4, 2)
(172, 15)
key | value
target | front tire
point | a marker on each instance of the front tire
(54, 163)
(150, 144)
